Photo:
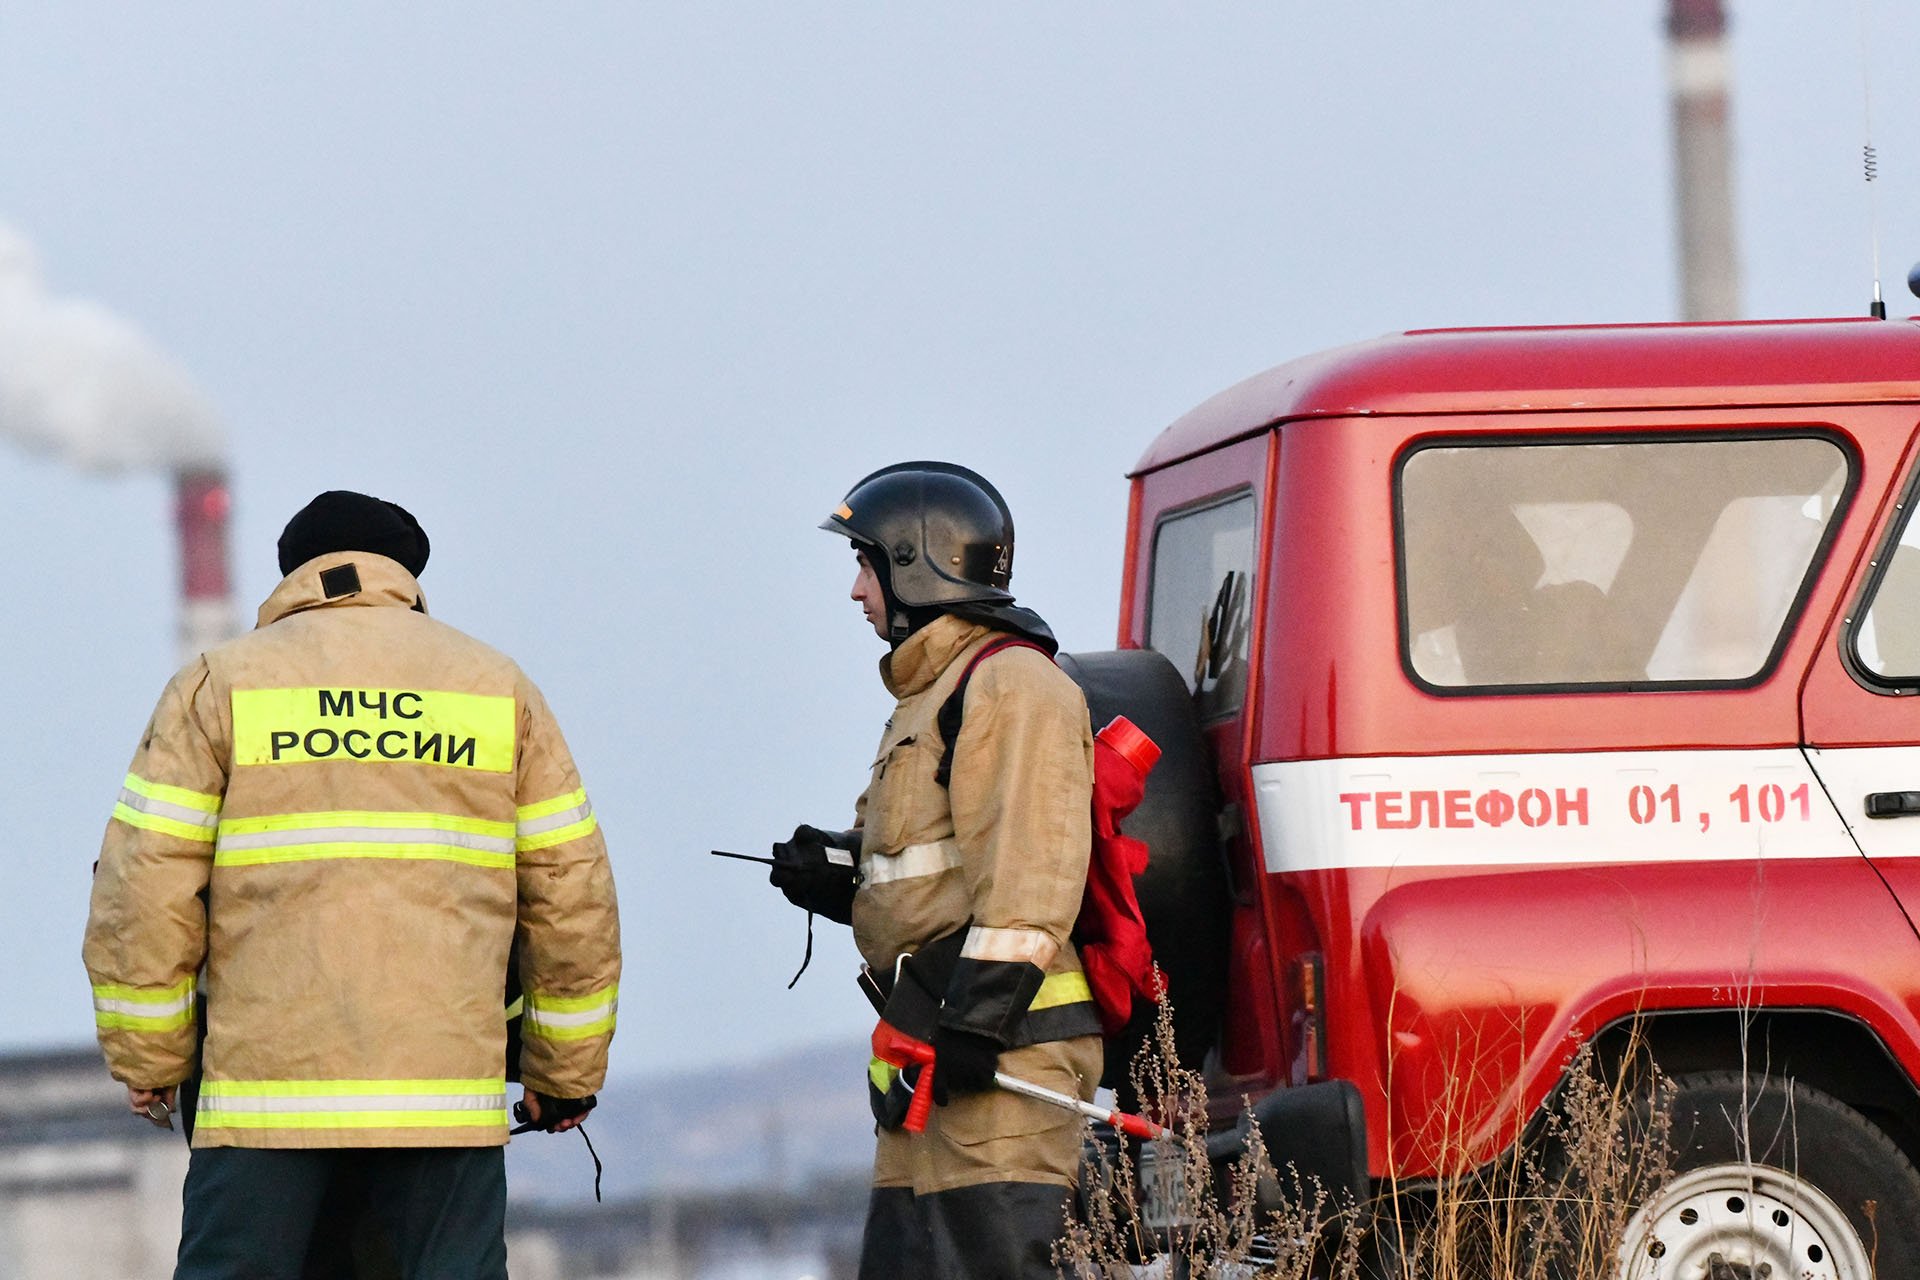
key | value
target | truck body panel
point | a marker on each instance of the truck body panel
(1549, 674)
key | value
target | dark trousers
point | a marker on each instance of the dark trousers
(993, 1231)
(251, 1214)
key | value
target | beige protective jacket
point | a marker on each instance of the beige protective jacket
(1001, 849)
(345, 819)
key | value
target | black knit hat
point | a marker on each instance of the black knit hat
(342, 520)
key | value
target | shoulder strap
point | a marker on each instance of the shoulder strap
(954, 708)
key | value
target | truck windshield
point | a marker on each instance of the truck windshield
(1654, 562)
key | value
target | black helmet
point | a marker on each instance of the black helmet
(939, 534)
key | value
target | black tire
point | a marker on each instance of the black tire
(1183, 892)
(1807, 1171)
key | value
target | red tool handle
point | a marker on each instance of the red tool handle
(1135, 1126)
(922, 1105)
(894, 1046)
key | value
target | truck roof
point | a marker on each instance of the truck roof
(1530, 370)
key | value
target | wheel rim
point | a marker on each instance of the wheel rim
(1748, 1216)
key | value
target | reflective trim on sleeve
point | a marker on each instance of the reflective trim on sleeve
(303, 837)
(910, 863)
(1034, 946)
(515, 1009)
(1059, 989)
(555, 821)
(122, 1008)
(173, 811)
(352, 1104)
(881, 1073)
(570, 1017)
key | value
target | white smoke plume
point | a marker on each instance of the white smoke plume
(82, 383)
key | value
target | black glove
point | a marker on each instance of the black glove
(552, 1111)
(813, 878)
(963, 1062)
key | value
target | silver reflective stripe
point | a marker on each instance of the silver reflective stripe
(1035, 946)
(548, 1018)
(366, 835)
(554, 821)
(144, 1008)
(359, 1102)
(910, 863)
(161, 809)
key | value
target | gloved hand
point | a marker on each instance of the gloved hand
(553, 1111)
(816, 871)
(963, 1062)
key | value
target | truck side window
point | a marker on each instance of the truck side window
(1199, 598)
(1621, 562)
(1887, 641)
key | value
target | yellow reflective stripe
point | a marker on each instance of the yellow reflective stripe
(401, 852)
(480, 1087)
(165, 826)
(515, 1009)
(360, 818)
(186, 799)
(353, 1104)
(375, 726)
(573, 1004)
(1059, 989)
(559, 835)
(528, 812)
(571, 1017)
(137, 1022)
(881, 1073)
(124, 1008)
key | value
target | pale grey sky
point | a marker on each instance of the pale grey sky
(619, 299)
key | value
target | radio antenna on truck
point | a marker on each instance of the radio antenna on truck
(1869, 160)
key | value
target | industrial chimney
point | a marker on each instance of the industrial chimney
(1703, 159)
(202, 504)
(81, 383)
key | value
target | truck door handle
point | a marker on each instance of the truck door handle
(1892, 804)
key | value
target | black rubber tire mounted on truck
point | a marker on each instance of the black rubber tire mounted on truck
(1787, 1188)
(1183, 892)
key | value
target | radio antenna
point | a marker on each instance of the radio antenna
(1870, 160)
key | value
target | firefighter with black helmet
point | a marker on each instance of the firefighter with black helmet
(971, 843)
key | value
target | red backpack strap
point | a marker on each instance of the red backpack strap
(954, 708)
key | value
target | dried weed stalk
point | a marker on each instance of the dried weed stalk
(1236, 1223)
(1556, 1208)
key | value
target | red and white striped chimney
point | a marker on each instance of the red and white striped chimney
(202, 505)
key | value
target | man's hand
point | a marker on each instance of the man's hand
(963, 1063)
(816, 871)
(530, 1102)
(152, 1105)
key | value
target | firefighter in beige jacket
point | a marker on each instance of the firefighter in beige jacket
(337, 827)
(973, 838)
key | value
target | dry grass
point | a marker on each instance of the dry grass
(1554, 1209)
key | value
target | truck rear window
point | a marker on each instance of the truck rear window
(1639, 563)
(1199, 598)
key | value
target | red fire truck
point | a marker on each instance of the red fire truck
(1556, 681)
